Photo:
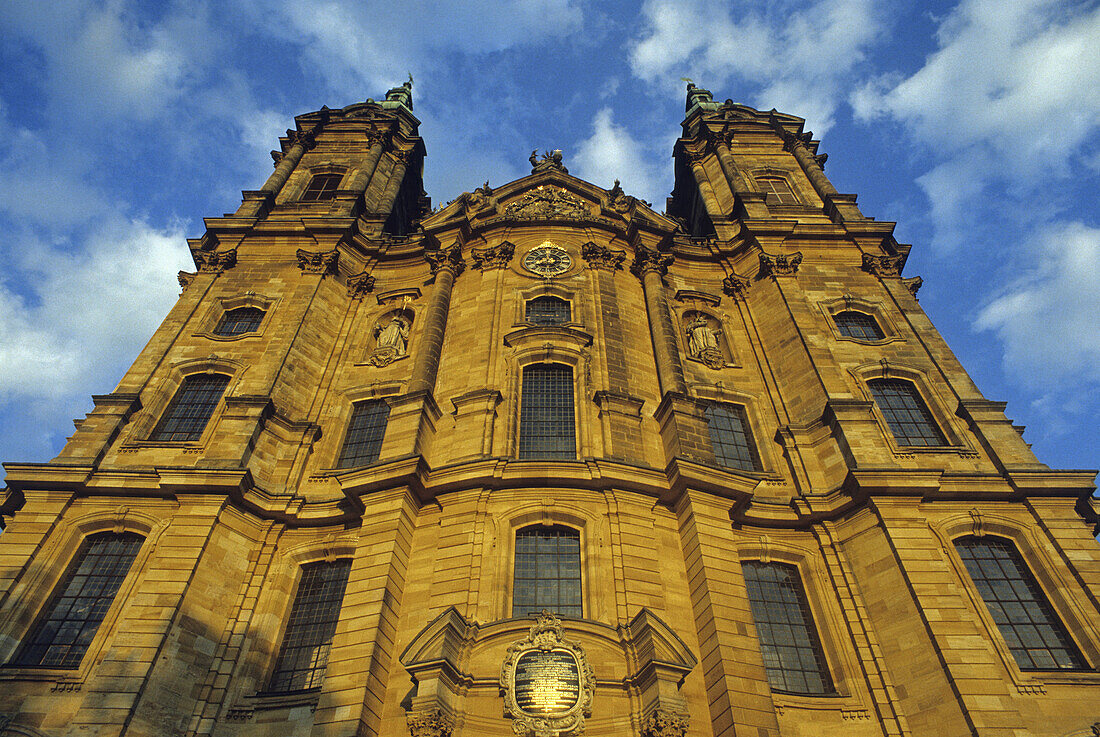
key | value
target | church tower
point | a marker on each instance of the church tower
(546, 461)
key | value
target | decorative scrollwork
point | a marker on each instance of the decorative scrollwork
(318, 262)
(430, 723)
(780, 264)
(665, 723)
(547, 202)
(646, 261)
(913, 284)
(736, 286)
(883, 265)
(602, 257)
(446, 258)
(494, 257)
(216, 261)
(360, 284)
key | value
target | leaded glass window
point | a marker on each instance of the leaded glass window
(1027, 621)
(240, 321)
(546, 426)
(906, 413)
(367, 429)
(322, 187)
(191, 408)
(548, 571)
(858, 325)
(730, 437)
(789, 643)
(547, 311)
(64, 632)
(308, 637)
(778, 188)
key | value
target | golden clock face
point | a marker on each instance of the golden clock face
(547, 260)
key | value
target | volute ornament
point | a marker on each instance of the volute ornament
(780, 264)
(735, 286)
(883, 265)
(646, 260)
(547, 682)
(318, 262)
(446, 258)
(360, 285)
(430, 723)
(215, 261)
(665, 723)
(493, 257)
(602, 257)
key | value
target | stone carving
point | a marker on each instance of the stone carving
(392, 341)
(550, 160)
(821, 159)
(620, 201)
(318, 262)
(216, 261)
(276, 157)
(646, 261)
(547, 202)
(479, 197)
(703, 342)
(185, 278)
(308, 139)
(494, 257)
(446, 258)
(735, 286)
(547, 682)
(782, 264)
(360, 284)
(665, 723)
(913, 284)
(430, 723)
(883, 265)
(602, 257)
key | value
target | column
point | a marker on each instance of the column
(256, 202)
(446, 264)
(650, 266)
(362, 177)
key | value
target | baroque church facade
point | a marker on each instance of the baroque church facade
(547, 461)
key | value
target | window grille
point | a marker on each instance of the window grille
(858, 325)
(191, 408)
(367, 429)
(308, 637)
(548, 571)
(240, 321)
(1027, 621)
(322, 187)
(547, 311)
(62, 636)
(730, 437)
(788, 639)
(546, 428)
(779, 188)
(906, 413)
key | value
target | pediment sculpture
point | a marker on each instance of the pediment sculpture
(548, 202)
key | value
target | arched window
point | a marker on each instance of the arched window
(906, 413)
(367, 429)
(322, 187)
(240, 321)
(730, 437)
(191, 408)
(308, 637)
(546, 428)
(777, 189)
(789, 642)
(548, 571)
(1036, 637)
(858, 325)
(547, 310)
(70, 620)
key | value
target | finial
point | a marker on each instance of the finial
(550, 160)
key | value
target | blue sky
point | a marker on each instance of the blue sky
(971, 124)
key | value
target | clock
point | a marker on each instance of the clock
(547, 260)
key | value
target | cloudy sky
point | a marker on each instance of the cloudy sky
(967, 123)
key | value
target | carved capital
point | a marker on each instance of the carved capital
(403, 156)
(446, 258)
(646, 261)
(306, 139)
(430, 723)
(883, 265)
(276, 157)
(318, 262)
(494, 257)
(780, 264)
(602, 257)
(913, 284)
(736, 286)
(360, 284)
(185, 279)
(665, 723)
(821, 159)
(695, 157)
(216, 261)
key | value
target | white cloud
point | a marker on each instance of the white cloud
(1047, 319)
(612, 153)
(1011, 97)
(799, 55)
(86, 308)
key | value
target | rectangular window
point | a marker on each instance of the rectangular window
(788, 639)
(63, 634)
(240, 321)
(322, 187)
(366, 431)
(308, 638)
(548, 571)
(191, 408)
(730, 437)
(1027, 621)
(546, 428)
(858, 325)
(906, 413)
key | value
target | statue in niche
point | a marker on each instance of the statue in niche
(392, 340)
(703, 342)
